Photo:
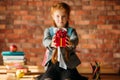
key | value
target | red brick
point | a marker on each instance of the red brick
(95, 41)
(117, 31)
(20, 12)
(35, 41)
(2, 8)
(102, 17)
(19, 22)
(38, 14)
(2, 26)
(104, 26)
(111, 13)
(19, 3)
(82, 22)
(26, 36)
(98, 3)
(88, 36)
(117, 7)
(20, 31)
(116, 55)
(6, 31)
(2, 40)
(28, 17)
(27, 45)
(110, 3)
(113, 17)
(97, 22)
(2, 35)
(80, 12)
(117, 17)
(48, 22)
(27, 51)
(13, 40)
(38, 50)
(105, 45)
(14, 7)
(35, 3)
(49, 3)
(88, 46)
(88, 7)
(2, 17)
(12, 36)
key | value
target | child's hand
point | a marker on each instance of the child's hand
(68, 42)
(53, 44)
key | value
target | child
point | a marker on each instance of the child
(61, 60)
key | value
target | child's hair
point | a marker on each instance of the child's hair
(61, 6)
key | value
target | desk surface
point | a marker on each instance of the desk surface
(81, 69)
(32, 76)
(37, 70)
(31, 69)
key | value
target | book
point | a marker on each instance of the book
(13, 57)
(9, 53)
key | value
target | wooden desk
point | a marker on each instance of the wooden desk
(32, 76)
(107, 72)
(33, 71)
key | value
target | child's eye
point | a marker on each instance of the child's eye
(63, 16)
(57, 15)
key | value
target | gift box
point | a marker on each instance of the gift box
(60, 38)
(61, 42)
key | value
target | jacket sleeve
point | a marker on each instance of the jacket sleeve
(74, 40)
(47, 39)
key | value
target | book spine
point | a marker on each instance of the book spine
(13, 57)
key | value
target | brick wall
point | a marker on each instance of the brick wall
(97, 22)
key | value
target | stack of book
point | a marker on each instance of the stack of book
(13, 58)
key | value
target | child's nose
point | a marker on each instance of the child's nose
(61, 18)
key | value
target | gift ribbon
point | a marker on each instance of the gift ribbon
(60, 41)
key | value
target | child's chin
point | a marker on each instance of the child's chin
(60, 26)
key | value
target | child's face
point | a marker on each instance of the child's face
(60, 18)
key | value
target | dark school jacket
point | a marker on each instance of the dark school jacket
(73, 61)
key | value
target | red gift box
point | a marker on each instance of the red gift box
(60, 38)
(61, 42)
